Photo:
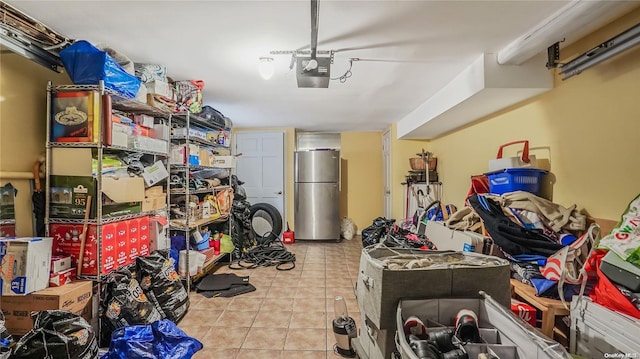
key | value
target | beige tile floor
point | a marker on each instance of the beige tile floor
(290, 313)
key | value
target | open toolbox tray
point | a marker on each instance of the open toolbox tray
(505, 335)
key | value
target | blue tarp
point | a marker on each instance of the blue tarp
(87, 65)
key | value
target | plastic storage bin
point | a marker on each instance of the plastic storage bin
(599, 332)
(196, 262)
(200, 242)
(515, 179)
(504, 334)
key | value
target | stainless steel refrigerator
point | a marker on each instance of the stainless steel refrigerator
(317, 195)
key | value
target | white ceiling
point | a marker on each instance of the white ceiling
(418, 47)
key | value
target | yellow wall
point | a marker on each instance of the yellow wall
(401, 151)
(362, 192)
(587, 127)
(23, 86)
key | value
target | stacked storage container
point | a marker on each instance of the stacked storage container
(451, 275)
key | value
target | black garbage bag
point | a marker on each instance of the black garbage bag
(162, 285)
(242, 233)
(124, 303)
(58, 334)
(372, 234)
(238, 191)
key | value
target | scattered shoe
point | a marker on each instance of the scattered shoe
(413, 325)
(467, 326)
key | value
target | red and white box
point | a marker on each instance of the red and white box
(158, 228)
(134, 239)
(525, 311)
(122, 244)
(66, 241)
(109, 252)
(143, 227)
(7, 230)
(60, 263)
(61, 278)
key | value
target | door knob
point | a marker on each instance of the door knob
(279, 192)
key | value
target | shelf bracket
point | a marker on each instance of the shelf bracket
(553, 55)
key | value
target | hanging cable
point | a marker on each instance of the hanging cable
(348, 73)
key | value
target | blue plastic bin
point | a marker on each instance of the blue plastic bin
(178, 242)
(515, 179)
(202, 245)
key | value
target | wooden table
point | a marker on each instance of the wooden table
(550, 307)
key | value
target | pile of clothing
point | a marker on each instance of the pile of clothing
(385, 231)
(537, 235)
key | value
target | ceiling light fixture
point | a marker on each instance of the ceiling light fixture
(266, 67)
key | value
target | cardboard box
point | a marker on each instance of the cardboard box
(143, 120)
(154, 203)
(158, 229)
(148, 144)
(109, 252)
(25, 265)
(160, 88)
(60, 263)
(66, 241)
(61, 278)
(155, 173)
(379, 288)
(69, 195)
(224, 161)
(178, 155)
(192, 132)
(206, 157)
(155, 199)
(134, 239)
(119, 139)
(74, 297)
(122, 244)
(154, 191)
(161, 131)
(7, 230)
(75, 116)
(120, 132)
(139, 130)
(447, 239)
(143, 228)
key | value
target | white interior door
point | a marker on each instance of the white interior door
(386, 163)
(261, 167)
